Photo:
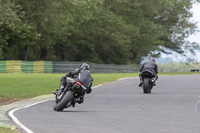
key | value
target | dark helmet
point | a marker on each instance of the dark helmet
(152, 59)
(85, 65)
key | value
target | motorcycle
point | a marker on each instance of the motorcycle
(68, 95)
(147, 81)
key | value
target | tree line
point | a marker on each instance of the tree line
(99, 31)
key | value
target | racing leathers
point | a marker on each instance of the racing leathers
(153, 67)
(83, 76)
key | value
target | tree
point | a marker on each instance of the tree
(15, 34)
(100, 31)
(157, 25)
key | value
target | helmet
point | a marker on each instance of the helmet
(152, 59)
(85, 65)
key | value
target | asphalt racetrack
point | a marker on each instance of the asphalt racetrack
(121, 107)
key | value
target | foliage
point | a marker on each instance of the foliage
(99, 31)
(15, 34)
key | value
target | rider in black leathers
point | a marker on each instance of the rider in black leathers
(153, 67)
(82, 75)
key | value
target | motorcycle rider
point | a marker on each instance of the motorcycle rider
(82, 75)
(153, 67)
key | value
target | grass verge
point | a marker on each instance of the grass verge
(7, 130)
(30, 85)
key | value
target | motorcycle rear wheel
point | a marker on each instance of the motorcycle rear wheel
(146, 86)
(65, 100)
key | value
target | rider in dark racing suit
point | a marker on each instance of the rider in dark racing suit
(153, 67)
(82, 75)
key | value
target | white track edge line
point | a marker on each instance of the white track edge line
(11, 113)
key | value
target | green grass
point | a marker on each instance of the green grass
(30, 85)
(178, 73)
(23, 85)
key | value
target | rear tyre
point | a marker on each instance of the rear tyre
(149, 90)
(151, 86)
(65, 100)
(146, 85)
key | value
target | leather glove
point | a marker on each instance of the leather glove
(69, 74)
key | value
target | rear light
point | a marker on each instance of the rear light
(79, 83)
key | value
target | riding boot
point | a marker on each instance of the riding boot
(59, 91)
(140, 83)
(73, 102)
(80, 100)
(154, 81)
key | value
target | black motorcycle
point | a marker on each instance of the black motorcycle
(148, 84)
(70, 92)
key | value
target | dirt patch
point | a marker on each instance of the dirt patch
(6, 101)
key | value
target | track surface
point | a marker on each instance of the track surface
(121, 107)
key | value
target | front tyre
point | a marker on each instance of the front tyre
(65, 100)
(146, 85)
